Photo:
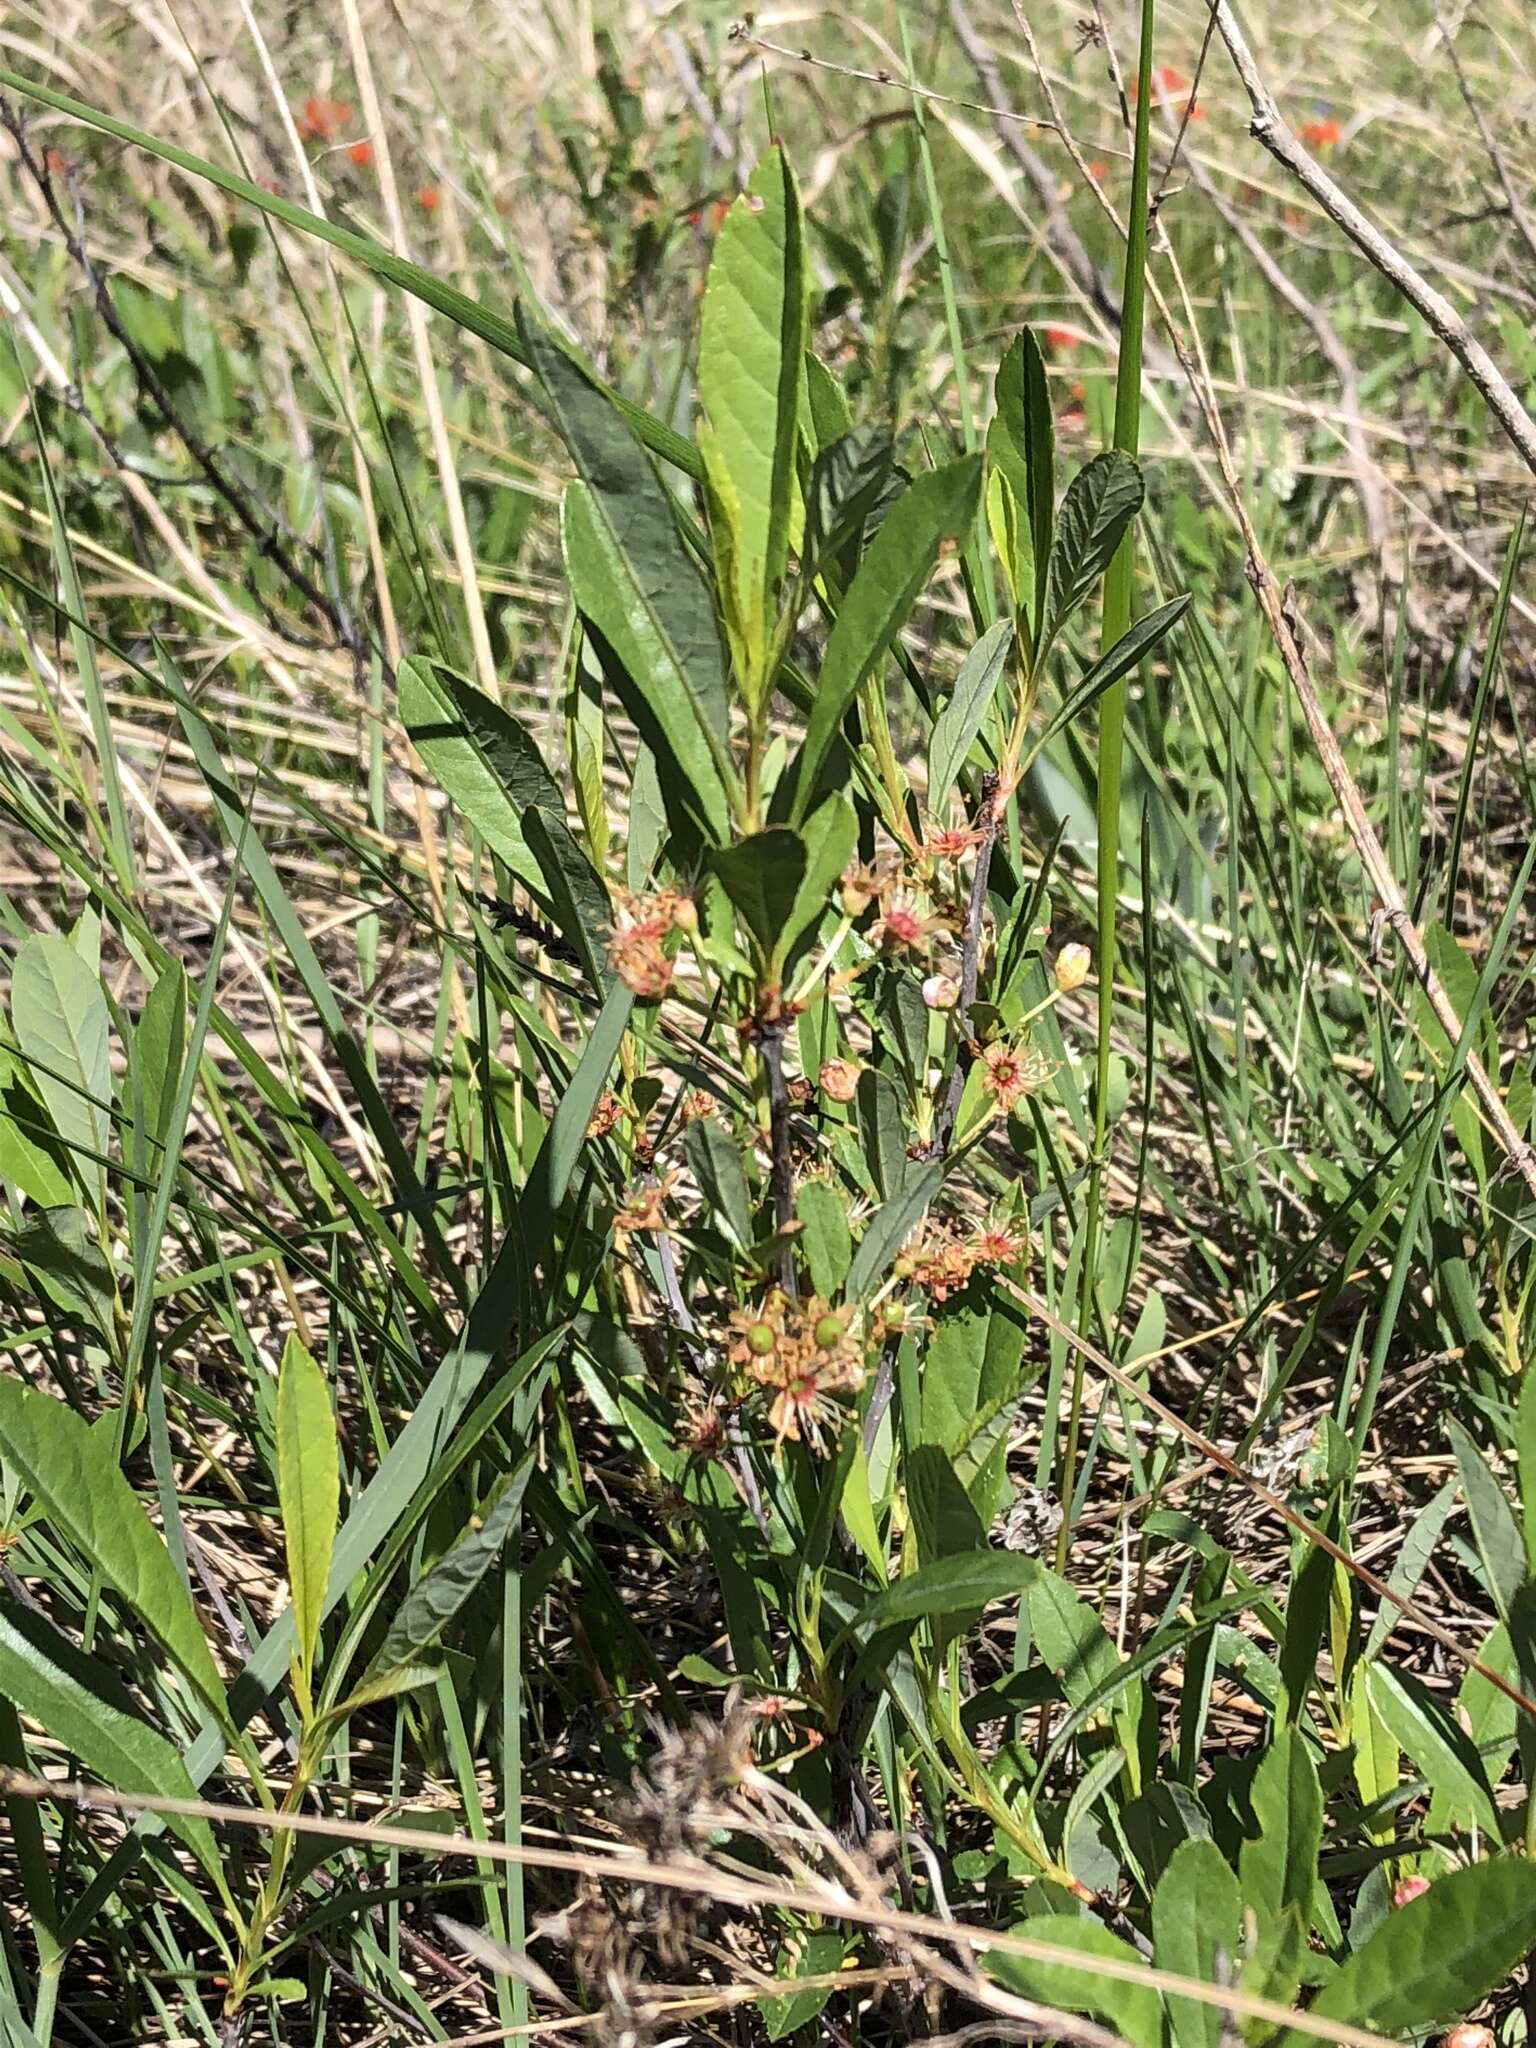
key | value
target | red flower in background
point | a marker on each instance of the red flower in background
(1061, 338)
(322, 120)
(361, 154)
(429, 198)
(1324, 134)
(1168, 84)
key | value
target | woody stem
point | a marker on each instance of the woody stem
(783, 1169)
(970, 966)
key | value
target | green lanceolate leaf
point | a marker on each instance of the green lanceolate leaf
(642, 660)
(1439, 1749)
(951, 1585)
(70, 1469)
(956, 727)
(1278, 1867)
(814, 1955)
(1197, 1914)
(751, 348)
(54, 1684)
(824, 1235)
(1500, 1544)
(433, 1601)
(480, 754)
(888, 1229)
(1128, 651)
(938, 506)
(59, 1015)
(831, 834)
(1134, 2010)
(636, 583)
(1021, 443)
(308, 1492)
(714, 1158)
(1101, 501)
(1437, 1957)
(159, 1047)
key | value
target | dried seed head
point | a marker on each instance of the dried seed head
(839, 1080)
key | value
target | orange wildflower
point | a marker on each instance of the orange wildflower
(361, 154)
(1324, 134)
(322, 120)
(428, 198)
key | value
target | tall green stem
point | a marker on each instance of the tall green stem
(1118, 583)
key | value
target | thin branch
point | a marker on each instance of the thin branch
(1444, 321)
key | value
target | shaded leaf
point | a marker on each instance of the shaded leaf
(434, 1600)
(62, 1253)
(1021, 443)
(762, 876)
